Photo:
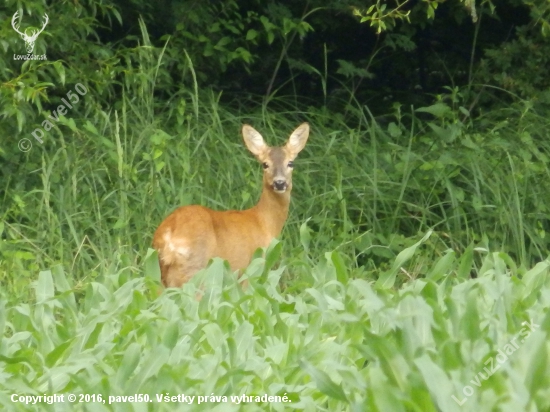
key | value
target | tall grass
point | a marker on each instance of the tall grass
(364, 186)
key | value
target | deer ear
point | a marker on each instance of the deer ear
(298, 138)
(254, 140)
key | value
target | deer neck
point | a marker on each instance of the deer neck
(272, 209)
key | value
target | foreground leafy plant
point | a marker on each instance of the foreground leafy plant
(341, 344)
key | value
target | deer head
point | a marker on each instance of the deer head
(31, 34)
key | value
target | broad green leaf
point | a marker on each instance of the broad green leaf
(305, 236)
(394, 130)
(537, 376)
(251, 34)
(57, 353)
(470, 321)
(324, 383)
(44, 286)
(60, 69)
(386, 397)
(272, 256)
(340, 266)
(387, 279)
(536, 277)
(438, 110)
(171, 335)
(151, 265)
(466, 260)
(214, 335)
(244, 338)
(60, 279)
(438, 383)
(443, 266)
(148, 368)
(127, 366)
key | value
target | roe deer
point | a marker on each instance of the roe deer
(188, 238)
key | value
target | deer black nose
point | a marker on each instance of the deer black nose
(280, 185)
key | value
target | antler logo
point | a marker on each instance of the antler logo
(30, 34)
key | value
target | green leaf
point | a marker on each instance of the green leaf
(443, 266)
(44, 287)
(60, 278)
(537, 376)
(129, 363)
(536, 277)
(437, 382)
(272, 255)
(89, 126)
(244, 339)
(340, 266)
(154, 360)
(20, 116)
(58, 65)
(151, 264)
(57, 353)
(466, 261)
(385, 397)
(387, 279)
(305, 236)
(117, 15)
(394, 130)
(464, 111)
(441, 132)
(214, 335)
(439, 110)
(470, 322)
(171, 335)
(251, 34)
(324, 383)
(224, 41)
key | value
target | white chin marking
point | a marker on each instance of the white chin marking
(279, 191)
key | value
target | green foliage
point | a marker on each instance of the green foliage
(518, 68)
(340, 344)
(385, 18)
(482, 182)
(215, 35)
(415, 247)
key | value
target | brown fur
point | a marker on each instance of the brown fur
(188, 238)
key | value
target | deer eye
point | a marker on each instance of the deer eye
(291, 164)
(265, 165)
